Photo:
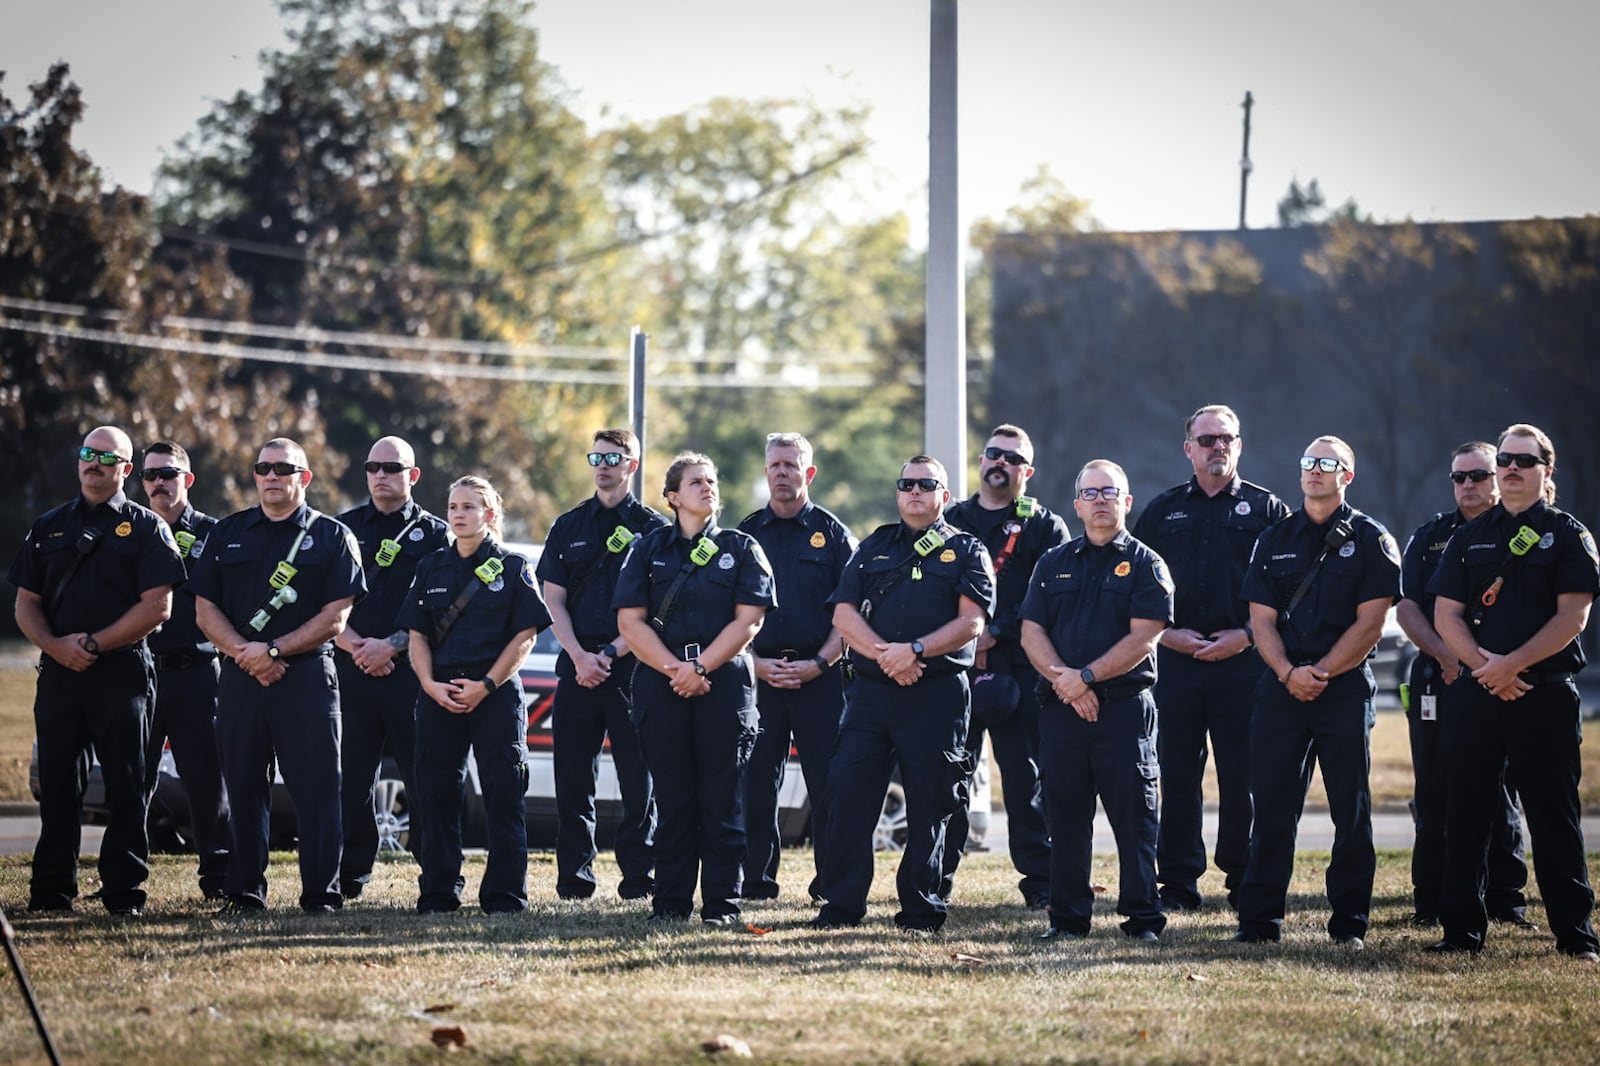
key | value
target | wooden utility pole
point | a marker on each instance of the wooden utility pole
(1244, 161)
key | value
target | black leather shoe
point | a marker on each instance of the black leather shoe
(721, 921)
(125, 912)
(238, 909)
(829, 921)
(1242, 937)
(1450, 947)
(1583, 955)
(630, 890)
(1148, 936)
(1423, 920)
(1513, 918)
(1055, 932)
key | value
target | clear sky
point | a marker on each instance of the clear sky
(1436, 110)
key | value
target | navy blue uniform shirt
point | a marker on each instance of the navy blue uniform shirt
(244, 549)
(1036, 534)
(180, 633)
(1421, 560)
(1085, 596)
(387, 586)
(808, 554)
(135, 554)
(1563, 560)
(578, 558)
(738, 574)
(1365, 568)
(497, 612)
(1205, 542)
(917, 605)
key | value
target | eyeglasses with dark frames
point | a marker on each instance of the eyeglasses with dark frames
(608, 458)
(1524, 460)
(372, 466)
(1321, 462)
(1014, 458)
(162, 473)
(95, 455)
(1477, 477)
(1091, 494)
(1211, 440)
(282, 469)
(926, 484)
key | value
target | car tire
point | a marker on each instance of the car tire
(393, 815)
(891, 832)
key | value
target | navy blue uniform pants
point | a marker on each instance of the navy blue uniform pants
(107, 707)
(496, 731)
(1507, 871)
(1197, 701)
(1536, 739)
(296, 721)
(377, 711)
(810, 715)
(923, 727)
(1113, 759)
(1288, 737)
(581, 721)
(186, 718)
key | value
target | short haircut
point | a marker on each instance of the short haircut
(167, 447)
(1346, 452)
(621, 437)
(1006, 429)
(1547, 452)
(1482, 447)
(1101, 464)
(1221, 410)
(296, 453)
(927, 460)
(792, 440)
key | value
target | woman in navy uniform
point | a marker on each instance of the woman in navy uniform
(690, 598)
(473, 612)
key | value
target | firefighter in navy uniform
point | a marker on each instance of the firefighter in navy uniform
(582, 555)
(93, 578)
(1094, 611)
(800, 688)
(689, 599)
(377, 688)
(473, 613)
(911, 605)
(1017, 530)
(272, 589)
(1320, 585)
(1432, 685)
(1208, 667)
(1514, 589)
(186, 674)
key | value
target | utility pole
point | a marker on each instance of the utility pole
(1245, 165)
(638, 341)
(945, 358)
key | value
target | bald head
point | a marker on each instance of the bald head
(99, 480)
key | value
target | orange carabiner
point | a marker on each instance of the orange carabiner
(1492, 593)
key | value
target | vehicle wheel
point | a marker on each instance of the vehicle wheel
(890, 834)
(393, 814)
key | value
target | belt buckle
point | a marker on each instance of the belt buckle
(792, 654)
(691, 652)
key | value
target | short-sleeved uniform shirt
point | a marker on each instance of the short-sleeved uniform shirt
(578, 556)
(1421, 560)
(1367, 567)
(1086, 595)
(738, 573)
(500, 609)
(1562, 560)
(180, 634)
(244, 549)
(924, 598)
(1205, 542)
(419, 535)
(1035, 535)
(808, 554)
(135, 553)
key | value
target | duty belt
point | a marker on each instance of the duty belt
(456, 671)
(181, 660)
(1545, 677)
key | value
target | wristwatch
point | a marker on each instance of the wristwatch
(700, 668)
(90, 645)
(917, 648)
(1087, 675)
(489, 683)
(609, 651)
(273, 651)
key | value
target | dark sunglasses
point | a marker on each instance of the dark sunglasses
(1091, 494)
(162, 473)
(1502, 460)
(926, 484)
(1211, 440)
(372, 467)
(1475, 476)
(1014, 458)
(95, 455)
(1323, 463)
(608, 458)
(281, 469)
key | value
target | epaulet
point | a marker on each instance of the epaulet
(749, 517)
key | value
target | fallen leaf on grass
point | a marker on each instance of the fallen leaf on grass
(450, 1036)
(756, 929)
(439, 1008)
(1099, 890)
(967, 960)
(1142, 1034)
(143, 1010)
(1197, 977)
(724, 1042)
(489, 982)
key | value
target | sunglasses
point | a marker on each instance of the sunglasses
(1326, 465)
(926, 484)
(1110, 492)
(1014, 458)
(281, 469)
(162, 473)
(608, 458)
(1502, 460)
(95, 455)
(372, 467)
(1211, 440)
(1475, 476)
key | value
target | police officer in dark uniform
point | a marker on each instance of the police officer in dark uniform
(1514, 590)
(93, 578)
(1094, 610)
(582, 555)
(1432, 686)
(911, 605)
(1204, 530)
(1017, 530)
(800, 687)
(1320, 584)
(377, 688)
(689, 599)
(272, 589)
(473, 613)
(186, 673)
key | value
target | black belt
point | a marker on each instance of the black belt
(1545, 677)
(181, 660)
(796, 655)
(454, 671)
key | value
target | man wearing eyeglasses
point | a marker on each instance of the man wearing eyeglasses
(582, 555)
(1433, 687)
(1017, 530)
(1319, 585)
(1515, 588)
(186, 673)
(1204, 530)
(1094, 611)
(911, 604)
(273, 588)
(93, 578)
(377, 687)
(799, 687)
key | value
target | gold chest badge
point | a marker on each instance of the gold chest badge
(947, 556)
(1123, 569)
(818, 540)
(124, 529)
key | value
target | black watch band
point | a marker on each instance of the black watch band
(488, 683)
(700, 668)
(609, 650)
(273, 651)
(822, 664)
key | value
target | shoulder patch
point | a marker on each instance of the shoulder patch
(1390, 548)
(1587, 540)
(166, 537)
(351, 544)
(1158, 566)
(527, 575)
(759, 556)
